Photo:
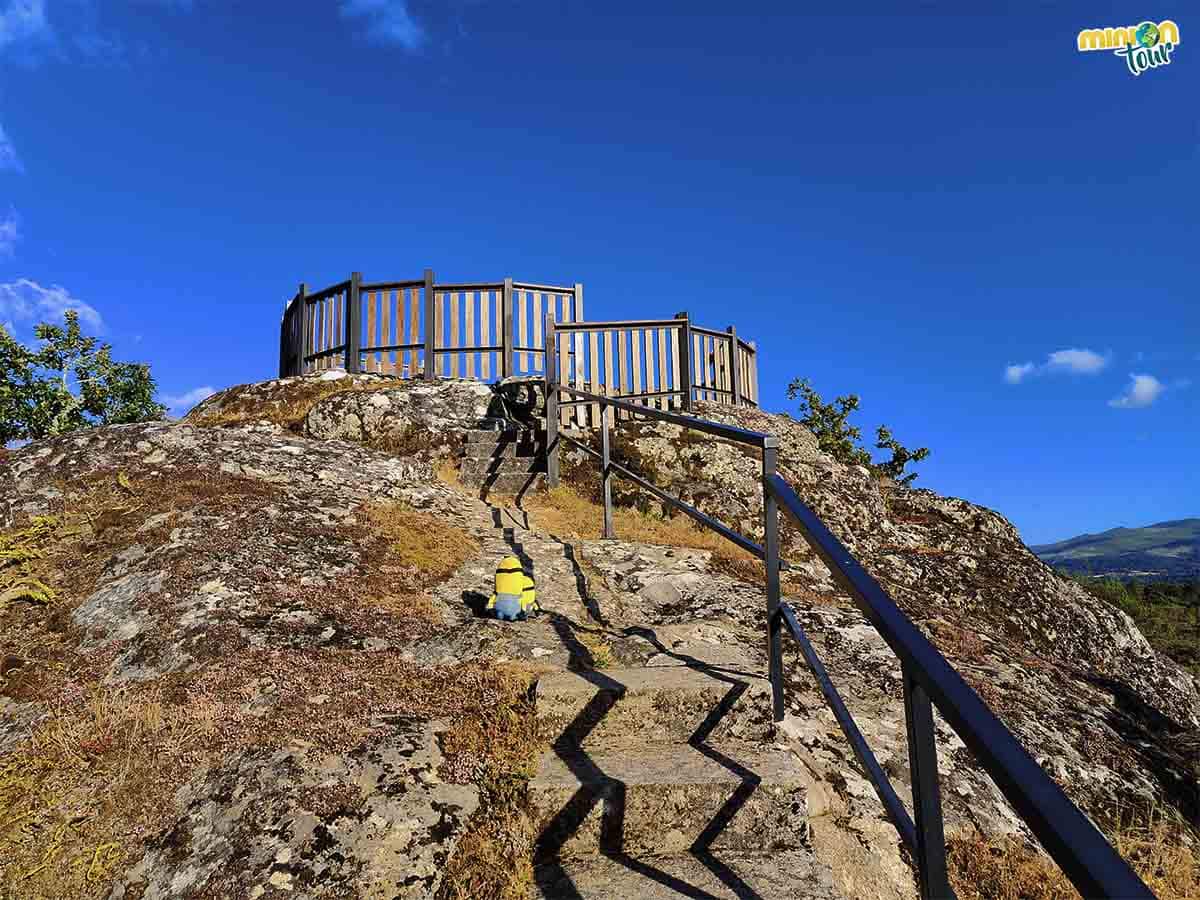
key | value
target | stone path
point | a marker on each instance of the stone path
(662, 777)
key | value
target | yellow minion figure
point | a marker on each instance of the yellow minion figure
(514, 596)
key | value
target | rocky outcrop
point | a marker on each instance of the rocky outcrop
(317, 716)
(1114, 721)
(379, 822)
(418, 417)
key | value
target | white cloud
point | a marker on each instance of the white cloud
(1142, 391)
(26, 301)
(9, 234)
(387, 21)
(8, 154)
(1014, 374)
(1084, 362)
(181, 403)
(1077, 362)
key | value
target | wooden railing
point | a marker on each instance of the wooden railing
(493, 330)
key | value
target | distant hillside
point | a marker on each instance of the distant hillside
(1165, 550)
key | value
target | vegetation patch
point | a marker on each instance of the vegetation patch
(1165, 855)
(565, 511)
(496, 748)
(92, 781)
(1167, 613)
(288, 408)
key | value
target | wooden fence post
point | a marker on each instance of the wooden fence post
(506, 317)
(685, 359)
(353, 338)
(551, 390)
(431, 329)
(735, 369)
(302, 332)
(753, 373)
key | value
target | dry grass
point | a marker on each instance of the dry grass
(566, 512)
(288, 411)
(94, 780)
(496, 748)
(427, 547)
(79, 796)
(1166, 856)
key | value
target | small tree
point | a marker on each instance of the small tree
(830, 422)
(901, 457)
(70, 382)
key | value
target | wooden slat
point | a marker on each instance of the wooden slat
(469, 339)
(623, 365)
(754, 374)
(717, 370)
(714, 351)
(537, 324)
(594, 372)
(635, 353)
(454, 335)
(675, 380)
(610, 389)
(698, 369)
(326, 361)
(485, 334)
(663, 362)
(311, 312)
(385, 329)
(372, 339)
(581, 416)
(522, 359)
(562, 351)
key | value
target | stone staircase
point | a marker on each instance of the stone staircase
(504, 462)
(664, 781)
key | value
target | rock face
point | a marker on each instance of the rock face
(306, 729)
(417, 417)
(379, 818)
(1114, 721)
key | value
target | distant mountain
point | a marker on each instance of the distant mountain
(1165, 550)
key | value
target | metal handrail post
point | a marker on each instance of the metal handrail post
(927, 803)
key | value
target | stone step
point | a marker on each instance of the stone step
(667, 704)
(508, 483)
(497, 451)
(665, 798)
(784, 875)
(520, 436)
(476, 469)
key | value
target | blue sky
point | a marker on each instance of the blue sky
(989, 236)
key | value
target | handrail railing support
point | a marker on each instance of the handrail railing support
(735, 366)
(354, 324)
(927, 803)
(685, 359)
(431, 329)
(551, 394)
(302, 331)
(506, 317)
(606, 470)
(770, 462)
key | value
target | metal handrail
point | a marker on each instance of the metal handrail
(1071, 840)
